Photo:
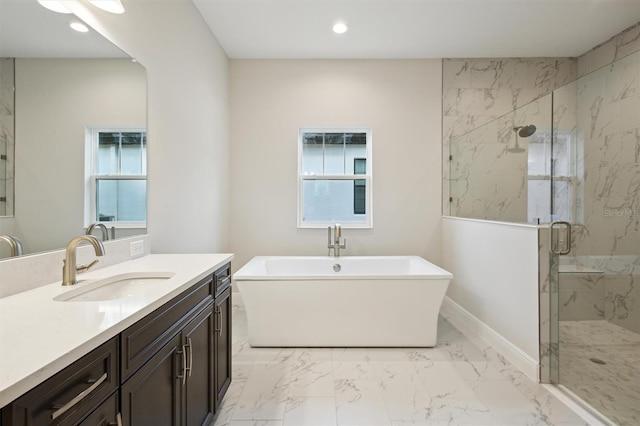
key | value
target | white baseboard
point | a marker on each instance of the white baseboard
(473, 328)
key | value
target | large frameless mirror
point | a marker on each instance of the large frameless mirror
(65, 97)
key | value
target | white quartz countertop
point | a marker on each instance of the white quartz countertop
(40, 336)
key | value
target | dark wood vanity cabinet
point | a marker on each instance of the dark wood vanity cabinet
(72, 394)
(180, 384)
(173, 367)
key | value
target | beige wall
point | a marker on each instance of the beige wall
(188, 116)
(399, 100)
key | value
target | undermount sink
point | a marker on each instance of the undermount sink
(115, 287)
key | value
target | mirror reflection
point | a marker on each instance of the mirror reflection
(72, 134)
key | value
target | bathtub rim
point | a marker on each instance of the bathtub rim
(438, 274)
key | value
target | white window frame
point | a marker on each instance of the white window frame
(368, 177)
(91, 163)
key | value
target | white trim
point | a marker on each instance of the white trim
(368, 223)
(578, 406)
(473, 328)
(91, 161)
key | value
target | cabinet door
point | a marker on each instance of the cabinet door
(153, 395)
(144, 338)
(199, 388)
(223, 344)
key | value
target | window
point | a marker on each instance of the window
(118, 179)
(546, 204)
(334, 177)
(359, 186)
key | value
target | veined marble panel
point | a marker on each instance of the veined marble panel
(488, 176)
(456, 383)
(581, 305)
(615, 148)
(622, 301)
(612, 181)
(599, 362)
(611, 213)
(617, 47)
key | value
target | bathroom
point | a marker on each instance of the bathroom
(215, 185)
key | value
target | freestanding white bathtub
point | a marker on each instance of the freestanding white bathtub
(371, 301)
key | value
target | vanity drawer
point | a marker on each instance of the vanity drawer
(105, 415)
(71, 394)
(146, 337)
(222, 279)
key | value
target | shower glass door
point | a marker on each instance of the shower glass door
(595, 289)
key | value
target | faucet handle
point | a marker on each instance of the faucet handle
(343, 244)
(85, 268)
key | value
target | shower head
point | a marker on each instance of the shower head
(525, 131)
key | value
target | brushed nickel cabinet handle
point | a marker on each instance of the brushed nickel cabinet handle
(60, 411)
(190, 367)
(183, 376)
(218, 320)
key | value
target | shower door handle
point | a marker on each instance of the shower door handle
(559, 245)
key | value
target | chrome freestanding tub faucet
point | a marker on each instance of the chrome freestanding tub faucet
(333, 242)
(69, 268)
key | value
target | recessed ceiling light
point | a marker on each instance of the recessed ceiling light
(113, 6)
(80, 27)
(340, 28)
(54, 5)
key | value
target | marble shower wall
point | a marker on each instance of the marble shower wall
(489, 165)
(608, 114)
(478, 91)
(7, 107)
(612, 291)
(617, 47)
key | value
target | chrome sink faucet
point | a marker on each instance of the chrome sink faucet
(105, 231)
(69, 268)
(334, 242)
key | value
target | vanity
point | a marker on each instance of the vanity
(158, 353)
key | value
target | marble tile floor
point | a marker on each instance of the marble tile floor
(612, 388)
(455, 383)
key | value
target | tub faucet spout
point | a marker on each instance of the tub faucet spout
(334, 242)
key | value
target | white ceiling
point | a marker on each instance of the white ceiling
(28, 30)
(415, 28)
(377, 28)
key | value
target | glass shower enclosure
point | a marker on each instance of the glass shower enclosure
(570, 161)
